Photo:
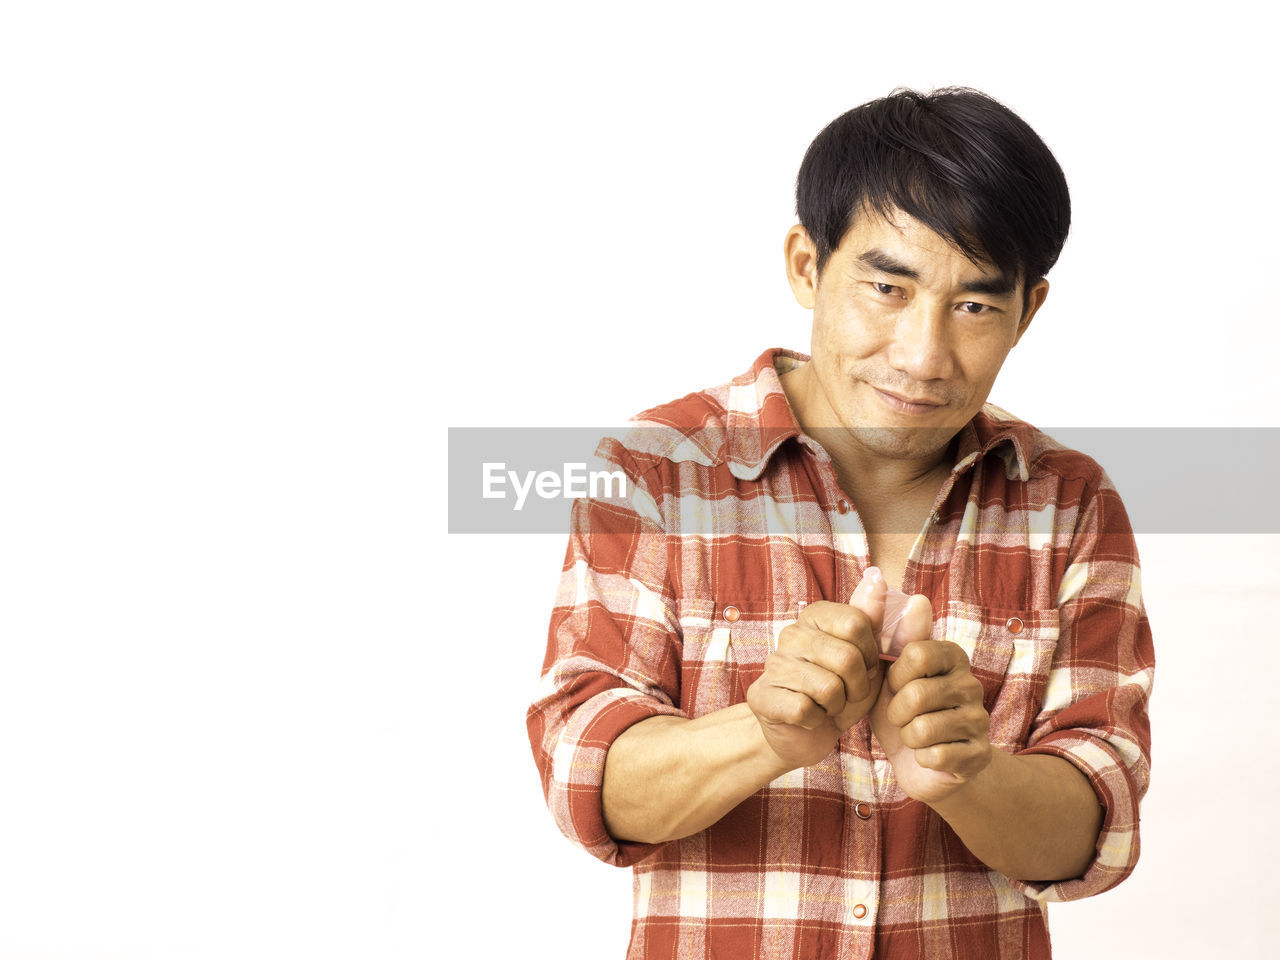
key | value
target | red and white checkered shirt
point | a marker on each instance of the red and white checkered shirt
(1030, 565)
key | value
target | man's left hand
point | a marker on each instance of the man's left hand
(929, 717)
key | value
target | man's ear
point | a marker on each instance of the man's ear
(1035, 300)
(802, 266)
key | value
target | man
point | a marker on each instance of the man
(716, 708)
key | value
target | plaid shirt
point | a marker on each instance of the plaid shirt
(1030, 566)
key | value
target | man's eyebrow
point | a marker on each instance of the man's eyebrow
(999, 285)
(879, 260)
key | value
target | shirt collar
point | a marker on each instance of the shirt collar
(760, 420)
(998, 432)
(759, 415)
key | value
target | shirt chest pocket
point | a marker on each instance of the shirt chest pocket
(1010, 652)
(726, 643)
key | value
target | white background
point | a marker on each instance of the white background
(257, 257)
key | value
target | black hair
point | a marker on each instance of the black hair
(958, 161)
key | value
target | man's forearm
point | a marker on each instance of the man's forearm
(667, 777)
(1032, 817)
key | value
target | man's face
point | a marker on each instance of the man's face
(908, 335)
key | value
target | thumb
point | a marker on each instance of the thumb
(917, 620)
(869, 596)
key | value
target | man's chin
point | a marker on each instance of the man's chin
(903, 443)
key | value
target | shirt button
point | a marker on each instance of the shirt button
(731, 614)
(1014, 625)
(843, 506)
(859, 911)
(863, 810)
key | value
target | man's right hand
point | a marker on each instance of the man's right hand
(824, 677)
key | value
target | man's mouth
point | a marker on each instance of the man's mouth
(904, 404)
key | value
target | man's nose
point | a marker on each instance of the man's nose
(922, 343)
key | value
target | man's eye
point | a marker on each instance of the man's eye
(970, 307)
(888, 289)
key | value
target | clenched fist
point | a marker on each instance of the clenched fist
(929, 717)
(824, 677)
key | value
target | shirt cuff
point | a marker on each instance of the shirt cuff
(1116, 853)
(577, 771)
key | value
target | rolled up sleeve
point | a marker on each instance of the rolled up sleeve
(1094, 712)
(613, 654)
